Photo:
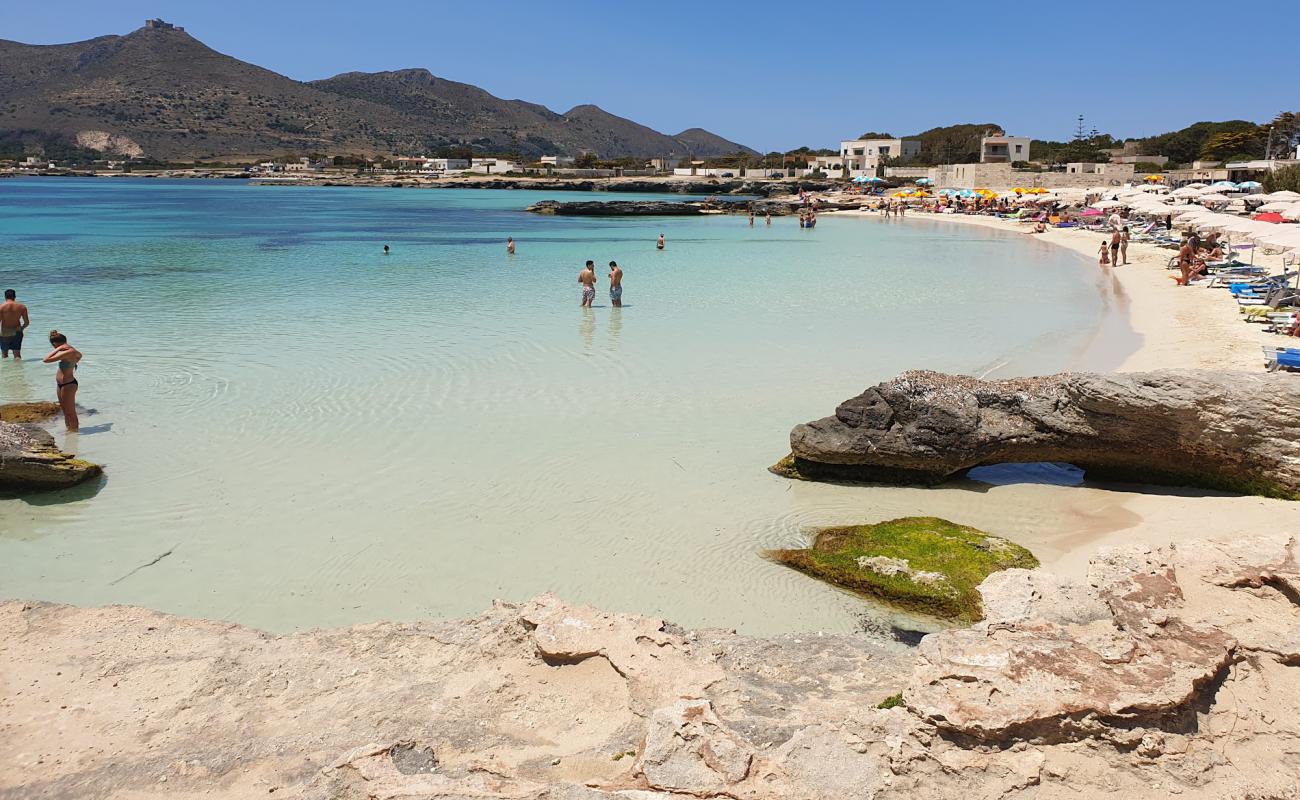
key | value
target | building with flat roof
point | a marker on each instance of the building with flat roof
(998, 148)
(866, 155)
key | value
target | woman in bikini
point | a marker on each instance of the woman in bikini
(65, 379)
(1104, 253)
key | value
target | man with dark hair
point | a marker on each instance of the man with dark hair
(13, 320)
(588, 280)
(615, 284)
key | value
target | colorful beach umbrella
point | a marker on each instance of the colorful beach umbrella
(1250, 185)
(1269, 216)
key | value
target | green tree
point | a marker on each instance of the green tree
(586, 161)
(1287, 178)
(876, 135)
(1221, 145)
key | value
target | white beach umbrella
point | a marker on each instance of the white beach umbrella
(1186, 191)
(1293, 212)
(1275, 205)
(1212, 200)
(1151, 188)
(1102, 205)
(1285, 194)
(1195, 186)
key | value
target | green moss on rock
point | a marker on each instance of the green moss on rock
(922, 564)
(893, 701)
(39, 411)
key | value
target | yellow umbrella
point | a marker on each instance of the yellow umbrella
(1019, 190)
(1155, 177)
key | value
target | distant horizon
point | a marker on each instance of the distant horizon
(724, 99)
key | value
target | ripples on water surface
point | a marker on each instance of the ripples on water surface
(327, 435)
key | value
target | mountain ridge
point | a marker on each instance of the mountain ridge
(162, 93)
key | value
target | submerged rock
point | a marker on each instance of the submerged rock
(30, 461)
(921, 564)
(1218, 430)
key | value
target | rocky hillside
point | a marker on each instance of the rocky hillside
(159, 92)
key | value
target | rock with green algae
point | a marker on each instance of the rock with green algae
(922, 564)
(30, 461)
(39, 411)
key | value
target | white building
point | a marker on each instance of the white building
(865, 155)
(493, 165)
(998, 148)
(557, 161)
(305, 165)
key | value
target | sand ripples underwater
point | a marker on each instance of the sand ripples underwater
(320, 434)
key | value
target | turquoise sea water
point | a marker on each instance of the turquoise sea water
(321, 434)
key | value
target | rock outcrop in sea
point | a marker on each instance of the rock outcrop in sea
(1217, 430)
(30, 461)
(1168, 672)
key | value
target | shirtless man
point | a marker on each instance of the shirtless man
(13, 321)
(660, 244)
(588, 280)
(615, 284)
(510, 245)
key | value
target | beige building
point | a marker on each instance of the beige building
(866, 155)
(998, 148)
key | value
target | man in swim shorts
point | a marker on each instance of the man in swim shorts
(615, 284)
(13, 320)
(588, 280)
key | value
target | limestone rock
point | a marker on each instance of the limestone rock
(1219, 430)
(688, 749)
(617, 208)
(30, 461)
(1176, 677)
(39, 411)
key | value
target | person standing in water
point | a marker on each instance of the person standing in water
(660, 244)
(615, 284)
(751, 217)
(385, 249)
(588, 280)
(768, 218)
(510, 245)
(13, 321)
(65, 380)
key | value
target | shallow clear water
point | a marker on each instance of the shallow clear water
(321, 434)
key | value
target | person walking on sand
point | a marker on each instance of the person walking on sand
(65, 380)
(660, 244)
(1104, 254)
(1123, 244)
(13, 321)
(615, 284)
(587, 278)
(510, 245)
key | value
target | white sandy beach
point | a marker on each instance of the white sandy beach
(1181, 328)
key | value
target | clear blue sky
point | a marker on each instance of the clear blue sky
(769, 74)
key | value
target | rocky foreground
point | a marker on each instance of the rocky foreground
(30, 461)
(1169, 672)
(1217, 430)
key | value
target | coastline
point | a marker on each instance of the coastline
(1180, 328)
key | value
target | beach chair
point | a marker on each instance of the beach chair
(1276, 358)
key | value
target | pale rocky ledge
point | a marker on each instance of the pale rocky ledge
(1234, 431)
(1168, 672)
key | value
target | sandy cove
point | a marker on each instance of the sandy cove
(1148, 669)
